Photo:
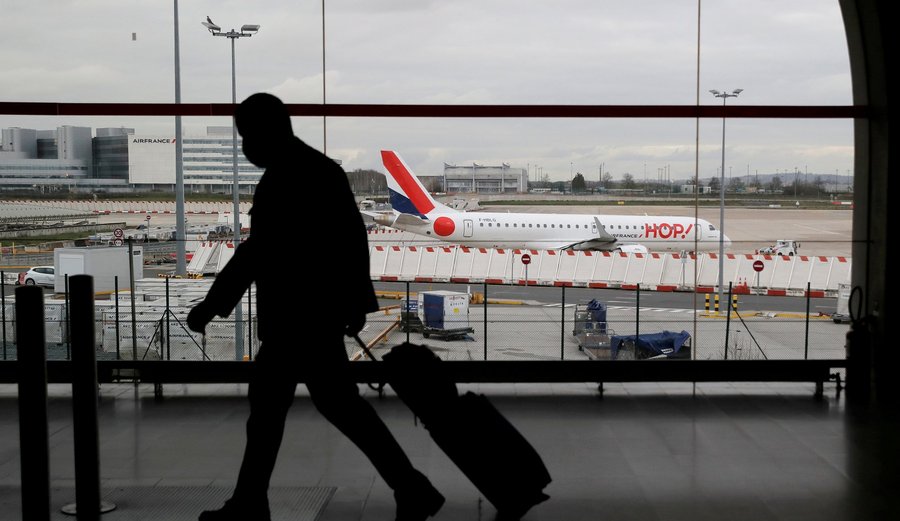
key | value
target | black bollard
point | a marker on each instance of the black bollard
(87, 504)
(34, 444)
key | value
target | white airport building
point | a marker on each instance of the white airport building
(484, 179)
(119, 160)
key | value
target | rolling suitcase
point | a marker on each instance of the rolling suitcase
(485, 446)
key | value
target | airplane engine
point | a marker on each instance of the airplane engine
(633, 248)
(385, 219)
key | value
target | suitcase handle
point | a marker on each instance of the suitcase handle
(364, 348)
(379, 388)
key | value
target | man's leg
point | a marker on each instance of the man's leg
(271, 392)
(337, 398)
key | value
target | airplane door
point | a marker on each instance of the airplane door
(467, 227)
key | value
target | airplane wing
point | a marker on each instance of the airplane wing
(605, 241)
(605, 236)
(591, 244)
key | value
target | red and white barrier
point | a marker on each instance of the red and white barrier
(653, 271)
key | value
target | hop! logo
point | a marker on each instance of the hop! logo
(667, 231)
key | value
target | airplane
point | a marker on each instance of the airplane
(415, 210)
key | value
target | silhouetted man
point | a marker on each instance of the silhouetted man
(311, 337)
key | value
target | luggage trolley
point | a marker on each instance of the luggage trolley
(592, 330)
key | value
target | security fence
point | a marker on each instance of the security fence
(463, 322)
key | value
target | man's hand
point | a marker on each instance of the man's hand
(199, 316)
(355, 323)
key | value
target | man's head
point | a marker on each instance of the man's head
(265, 127)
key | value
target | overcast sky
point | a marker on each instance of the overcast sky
(781, 52)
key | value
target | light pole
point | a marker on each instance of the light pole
(246, 31)
(724, 96)
(180, 236)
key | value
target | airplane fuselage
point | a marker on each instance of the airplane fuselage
(575, 231)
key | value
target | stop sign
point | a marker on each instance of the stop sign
(758, 265)
(526, 259)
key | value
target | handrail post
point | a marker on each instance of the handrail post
(3, 308)
(485, 320)
(86, 432)
(34, 440)
(562, 326)
(806, 336)
(728, 320)
(118, 354)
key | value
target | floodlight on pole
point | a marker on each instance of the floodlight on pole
(246, 31)
(724, 96)
(180, 235)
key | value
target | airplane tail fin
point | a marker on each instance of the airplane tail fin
(407, 193)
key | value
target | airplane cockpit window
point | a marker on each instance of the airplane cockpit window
(712, 228)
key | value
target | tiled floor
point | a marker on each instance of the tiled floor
(642, 452)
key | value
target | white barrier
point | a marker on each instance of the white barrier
(780, 275)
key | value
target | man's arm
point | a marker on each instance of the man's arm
(227, 289)
(358, 271)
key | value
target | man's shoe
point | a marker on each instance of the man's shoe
(418, 503)
(233, 511)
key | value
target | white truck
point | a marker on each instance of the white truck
(781, 247)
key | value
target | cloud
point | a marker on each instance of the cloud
(462, 52)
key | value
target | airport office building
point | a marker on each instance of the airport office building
(118, 160)
(71, 159)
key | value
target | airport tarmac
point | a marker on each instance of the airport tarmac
(825, 232)
(544, 331)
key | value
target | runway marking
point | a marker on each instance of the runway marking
(813, 228)
(631, 308)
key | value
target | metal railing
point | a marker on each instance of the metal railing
(496, 322)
